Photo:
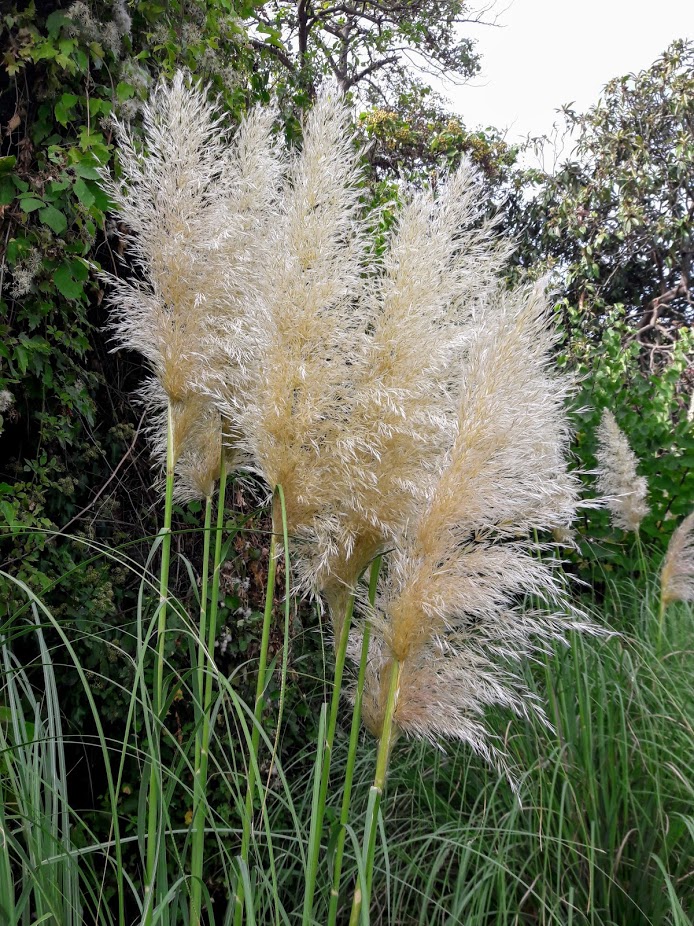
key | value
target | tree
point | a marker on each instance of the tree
(417, 139)
(374, 48)
(615, 226)
(617, 220)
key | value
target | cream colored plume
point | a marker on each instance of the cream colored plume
(440, 262)
(677, 575)
(195, 210)
(300, 326)
(453, 621)
(625, 491)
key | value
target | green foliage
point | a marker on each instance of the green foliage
(416, 139)
(68, 71)
(602, 836)
(654, 415)
(613, 228)
(616, 219)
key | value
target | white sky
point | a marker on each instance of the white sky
(551, 52)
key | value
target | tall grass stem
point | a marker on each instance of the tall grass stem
(317, 819)
(199, 794)
(352, 751)
(258, 709)
(362, 895)
(154, 788)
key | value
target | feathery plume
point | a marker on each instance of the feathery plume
(439, 264)
(165, 196)
(450, 622)
(300, 326)
(625, 491)
(677, 575)
(196, 212)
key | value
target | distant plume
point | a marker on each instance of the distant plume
(677, 576)
(625, 491)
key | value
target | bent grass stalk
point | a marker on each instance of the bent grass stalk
(154, 787)
(258, 708)
(352, 752)
(362, 891)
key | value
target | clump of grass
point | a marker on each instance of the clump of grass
(360, 443)
(603, 830)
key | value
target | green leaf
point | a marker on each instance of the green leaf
(87, 168)
(69, 277)
(64, 106)
(30, 204)
(55, 22)
(82, 59)
(101, 200)
(7, 163)
(9, 513)
(83, 193)
(124, 91)
(7, 191)
(97, 106)
(54, 219)
(22, 356)
(45, 50)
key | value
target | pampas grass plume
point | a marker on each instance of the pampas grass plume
(196, 210)
(299, 327)
(625, 491)
(450, 618)
(677, 575)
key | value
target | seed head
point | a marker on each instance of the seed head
(191, 205)
(618, 480)
(290, 353)
(677, 575)
(451, 615)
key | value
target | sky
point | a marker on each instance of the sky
(549, 52)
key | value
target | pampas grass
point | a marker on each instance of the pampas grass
(677, 573)
(440, 259)
(196, 212)
(618, 480)
(401, 404)
(450, 618)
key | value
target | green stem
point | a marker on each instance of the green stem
(661, 621)
(317, 819)
(352, 753)
(642, 559)
(158, 694)
(198, 793)
(199, 832)
(384, 746)
(257, 715)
